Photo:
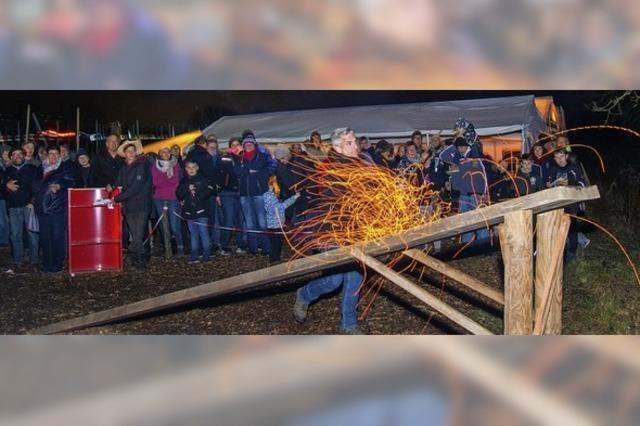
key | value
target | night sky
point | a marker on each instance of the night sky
(191, 110)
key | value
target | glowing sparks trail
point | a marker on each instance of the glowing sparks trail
(354, 203)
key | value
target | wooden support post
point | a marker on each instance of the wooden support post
(516, 243)
(166, 230)
(77, 129)
(27, 128)
(420, 293)
(552, 230)
(456, 275)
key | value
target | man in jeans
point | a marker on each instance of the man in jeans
(135, 179)
(229, 197)
(17, 186)
(253, 173)
(344, 150)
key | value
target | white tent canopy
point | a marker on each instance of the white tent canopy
(490, 116)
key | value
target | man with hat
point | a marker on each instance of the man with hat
(135, 179)
(17, 187)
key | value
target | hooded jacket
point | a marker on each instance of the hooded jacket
(135, 179)
(197, 201)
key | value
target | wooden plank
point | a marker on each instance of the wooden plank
(456, 275)
(550, 280)
(542, 201)
(420, 293)
(516, 243)
(548, 230)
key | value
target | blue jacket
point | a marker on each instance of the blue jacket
(254, 175)
(275, 209)
(45, 200)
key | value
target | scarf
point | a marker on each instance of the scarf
(166, 166)
(48, 168)
(248, 156)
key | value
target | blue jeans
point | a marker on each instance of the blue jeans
(468, 203)
(200, 238)
(18, 217)
(232, 218)
(4, 222)
(350, 282)
(255, 217)
(174, 221)
(52, 231)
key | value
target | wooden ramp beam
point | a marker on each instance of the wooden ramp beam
(538, 202)
(456, 275)
(420, 293)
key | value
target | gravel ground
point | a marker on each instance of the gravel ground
(32, 299)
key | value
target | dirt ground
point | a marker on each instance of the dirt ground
(33, 299)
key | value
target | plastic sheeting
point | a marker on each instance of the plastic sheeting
(491, 116)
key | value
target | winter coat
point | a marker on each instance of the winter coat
(286, 179)
(25, 176)
(203, 159)
(135, 180)
(164, 187)
(276, 210)
(196, 202)
(254, 175)
(104, 170)
(571, 172)
(45, 200)
(227, 180)
(528, 183)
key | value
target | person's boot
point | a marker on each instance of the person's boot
(300, 308)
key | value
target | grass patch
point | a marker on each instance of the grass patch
(601, 294)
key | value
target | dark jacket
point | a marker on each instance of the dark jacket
(197, 202)
(226, 178)
(571, 172)
(286, 179)
(201, 157)
(84, 175)
(104, 170)
(254, 175)
(137, 187)
(381, 161)
(528, 183)
(438, 171)
(25, 177)
(45, 200)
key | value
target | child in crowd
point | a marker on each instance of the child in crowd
(276, 217)
(196, 191)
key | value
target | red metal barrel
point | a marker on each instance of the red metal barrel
(94, 232)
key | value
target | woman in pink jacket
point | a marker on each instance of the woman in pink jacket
(166, 174)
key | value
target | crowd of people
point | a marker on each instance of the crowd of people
(240, 200)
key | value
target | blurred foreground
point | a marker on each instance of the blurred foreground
(397, 380)
(197, 44)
